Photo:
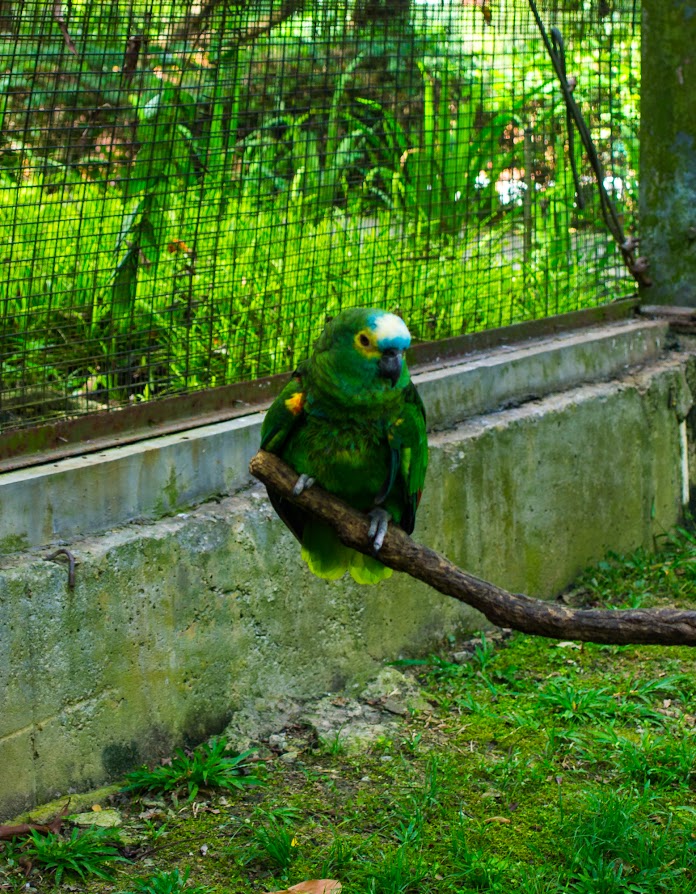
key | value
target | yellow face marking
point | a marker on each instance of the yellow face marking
(296, 403)
(366, 343)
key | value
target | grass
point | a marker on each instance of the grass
(541, 768)
(274, 839)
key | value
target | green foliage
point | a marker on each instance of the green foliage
(308, 166)
(162, 882)
(439, 179)
(629, 581)
(651, 759)
(397, 872)
(277, 843)
(333, 744)
(273, 837)
(473, 868)
(618, 846)
(209, 766)
(576, 703)
(91, 852)
(168, 155)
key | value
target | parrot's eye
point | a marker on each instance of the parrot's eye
(364, 340)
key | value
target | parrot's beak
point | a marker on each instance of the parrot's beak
(390, 364)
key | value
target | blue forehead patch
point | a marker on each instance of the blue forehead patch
(390, 331)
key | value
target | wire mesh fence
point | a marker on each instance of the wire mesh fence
(188, 190)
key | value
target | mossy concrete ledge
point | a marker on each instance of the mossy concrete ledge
(175, 624)
(84, 495)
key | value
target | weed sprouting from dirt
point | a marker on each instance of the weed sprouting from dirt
(210, 766)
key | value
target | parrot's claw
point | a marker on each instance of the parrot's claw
(379, 522)
(304, 482)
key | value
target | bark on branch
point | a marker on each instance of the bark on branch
(660, 626)
(197, 23)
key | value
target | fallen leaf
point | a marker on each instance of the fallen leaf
(497, 819)
(26, 864)
(313, 886)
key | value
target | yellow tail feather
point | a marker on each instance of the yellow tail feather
(329, 559)
(366, 570)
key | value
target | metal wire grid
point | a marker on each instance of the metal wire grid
(188, 191)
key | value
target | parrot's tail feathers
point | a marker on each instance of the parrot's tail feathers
(366, 570)
(323, 552)
(329, 559)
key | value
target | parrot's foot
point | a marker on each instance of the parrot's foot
(379, 522)
(304, 482)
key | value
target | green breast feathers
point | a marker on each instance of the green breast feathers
(351, 420)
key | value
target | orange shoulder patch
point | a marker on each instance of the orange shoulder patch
(296, 403)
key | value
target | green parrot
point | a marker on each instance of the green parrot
(351, 420)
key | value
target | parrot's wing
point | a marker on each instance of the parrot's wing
(283, 414)
(409, 442)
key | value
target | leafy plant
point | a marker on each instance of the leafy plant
(339, 858)
(163, 882)
(311, 160)
(91, 852)
(572, 702)
(208, 766)
(449, 176)
(410, 827)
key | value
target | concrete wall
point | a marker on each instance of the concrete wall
(546, 455)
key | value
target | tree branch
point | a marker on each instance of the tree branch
(661, 626)
(197, 23)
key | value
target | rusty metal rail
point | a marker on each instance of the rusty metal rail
(92, 432)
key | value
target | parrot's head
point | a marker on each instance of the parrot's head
(364, 350)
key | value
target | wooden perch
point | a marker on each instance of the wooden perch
(660, 626)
